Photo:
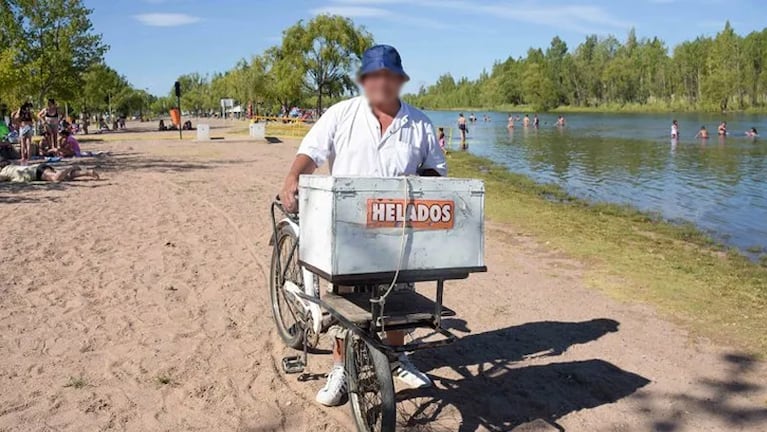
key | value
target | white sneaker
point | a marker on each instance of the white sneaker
(409, 374)
(335, 387)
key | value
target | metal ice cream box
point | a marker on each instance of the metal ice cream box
(357, 230)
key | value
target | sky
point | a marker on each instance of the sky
(154, 41)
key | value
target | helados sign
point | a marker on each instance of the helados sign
(417, 214)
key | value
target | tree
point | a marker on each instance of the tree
(327, 49)
(284, 81)
(722, 77)
(55, 43)
(100, 88)
(195, 93)
(539, 89)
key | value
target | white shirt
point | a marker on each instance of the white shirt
(348, 137)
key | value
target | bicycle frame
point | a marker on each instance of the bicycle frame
(291, 222)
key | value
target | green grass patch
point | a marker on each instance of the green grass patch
(634, 255)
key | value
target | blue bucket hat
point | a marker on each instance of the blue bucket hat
(381, 57)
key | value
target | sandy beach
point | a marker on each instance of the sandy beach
(139, 303)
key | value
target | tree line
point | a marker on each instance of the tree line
(722, 73)
(312, 66)
(48, 49)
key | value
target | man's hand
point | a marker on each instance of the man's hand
(288, 194)
(303, 164)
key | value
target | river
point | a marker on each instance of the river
(719, 184)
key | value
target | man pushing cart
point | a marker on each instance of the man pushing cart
(364, 230)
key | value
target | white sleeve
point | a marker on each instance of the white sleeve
(318, 143)
(434, 157)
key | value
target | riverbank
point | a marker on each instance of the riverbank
(635, 256)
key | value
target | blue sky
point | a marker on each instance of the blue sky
(154, 41)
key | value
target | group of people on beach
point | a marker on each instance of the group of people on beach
(703, 134)
(57, 141)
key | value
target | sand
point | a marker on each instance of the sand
(139, 303)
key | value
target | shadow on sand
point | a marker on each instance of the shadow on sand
(494, 393)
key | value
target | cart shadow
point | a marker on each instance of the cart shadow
(489, 390)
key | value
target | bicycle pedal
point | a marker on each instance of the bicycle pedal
(293, 364)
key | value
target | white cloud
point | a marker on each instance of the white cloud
(375, 12)
(352, 11)
(578, 18)
(166, 19)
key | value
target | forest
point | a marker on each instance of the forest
(49, 49)
(722, 73)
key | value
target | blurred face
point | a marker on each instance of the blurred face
(382, 87)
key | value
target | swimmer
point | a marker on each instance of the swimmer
(674, 129)
(561, 121)
(536, 121)
(702, 133)
(722, 130)
(752, 133)
(526, 121)
(510, 125)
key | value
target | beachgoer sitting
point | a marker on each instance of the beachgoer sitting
(42, 172)
(68, 145)
(161, 127)
(702, 133)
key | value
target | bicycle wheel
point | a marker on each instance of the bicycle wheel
(287, 313)
(371, 390)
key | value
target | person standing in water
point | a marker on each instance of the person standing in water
(510, 125)
(462, 128)
(674, 130)
(536, 121)
(752, 133)
(702, 133)
(526, 121)
(561, 121)
(722, 130)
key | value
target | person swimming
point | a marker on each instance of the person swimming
(674, 129)
(752, 133)
(561, 121)
(722, 129)
(702, 133)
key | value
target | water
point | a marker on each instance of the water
(719, 185)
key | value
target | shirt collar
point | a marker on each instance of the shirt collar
(400, 119)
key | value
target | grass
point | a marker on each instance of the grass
(636, 256)
(76, 382)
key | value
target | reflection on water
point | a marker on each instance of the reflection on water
(719, 184)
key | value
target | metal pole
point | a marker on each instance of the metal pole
(180, 125)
